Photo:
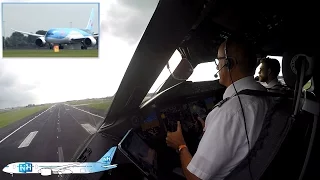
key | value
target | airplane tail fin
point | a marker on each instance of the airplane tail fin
(90, 22)
(107, 158)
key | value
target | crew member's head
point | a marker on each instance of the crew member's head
(269, 69)
(236, 59)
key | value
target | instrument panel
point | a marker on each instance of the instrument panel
(163, 117)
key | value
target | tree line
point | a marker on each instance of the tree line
(18, 40)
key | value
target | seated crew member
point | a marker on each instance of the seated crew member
(224, 143)
(269, 71)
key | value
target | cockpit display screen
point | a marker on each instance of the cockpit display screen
(150, 125)
(144, 157)
(209, 103)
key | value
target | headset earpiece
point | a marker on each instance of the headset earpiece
(229, 63)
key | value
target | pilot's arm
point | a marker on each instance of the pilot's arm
(217, 147)
(174, 140)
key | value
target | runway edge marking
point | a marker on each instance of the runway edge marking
(24, 125)
(85, 111)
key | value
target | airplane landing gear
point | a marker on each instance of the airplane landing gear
(83, 46)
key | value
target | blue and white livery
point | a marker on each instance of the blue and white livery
(60, 36)
(60, 168)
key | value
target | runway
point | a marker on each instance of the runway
(51, 135)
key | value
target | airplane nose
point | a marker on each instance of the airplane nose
(5, 169)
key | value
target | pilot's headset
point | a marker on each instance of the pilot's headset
(228, 60)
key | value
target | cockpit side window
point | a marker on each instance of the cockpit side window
(206, 71)
(308, 86)
(173, 63)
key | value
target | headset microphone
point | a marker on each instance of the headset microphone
(216, 74)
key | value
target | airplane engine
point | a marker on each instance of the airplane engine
(90, 41)
(40, 41)
(45, 172)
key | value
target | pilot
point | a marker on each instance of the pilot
(224, 142)
(269, 71)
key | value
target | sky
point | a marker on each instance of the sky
(47, 80)
(33, 16)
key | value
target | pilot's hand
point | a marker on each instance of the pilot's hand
(175, 139)
(201, 121)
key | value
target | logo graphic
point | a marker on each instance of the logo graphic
(25, 167)
(107, 159)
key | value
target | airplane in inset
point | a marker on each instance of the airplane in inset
(60, 168)
(61, 36)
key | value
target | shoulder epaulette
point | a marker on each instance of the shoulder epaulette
(220, 103)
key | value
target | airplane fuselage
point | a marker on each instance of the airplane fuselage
(65, 35)
(49, 168)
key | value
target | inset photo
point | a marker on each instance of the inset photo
(50, 29)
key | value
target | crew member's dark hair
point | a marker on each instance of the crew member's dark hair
(243, 52)
(272, 64)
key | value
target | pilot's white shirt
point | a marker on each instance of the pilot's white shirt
(273, 83)
(224, 142)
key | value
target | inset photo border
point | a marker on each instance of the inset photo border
(39, 29)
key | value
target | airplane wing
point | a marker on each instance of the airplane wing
(110, 166)
(66, 166)
(78, 40)
(27, 33)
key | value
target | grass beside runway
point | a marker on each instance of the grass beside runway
(11, 116)
(51, 53)
(84, 101)
(99, 104)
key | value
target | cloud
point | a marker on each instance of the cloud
(128, 19)
(12, 92)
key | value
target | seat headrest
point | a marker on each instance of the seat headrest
(291, 64)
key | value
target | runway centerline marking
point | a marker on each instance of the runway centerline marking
(26, 142)
(58, 128)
